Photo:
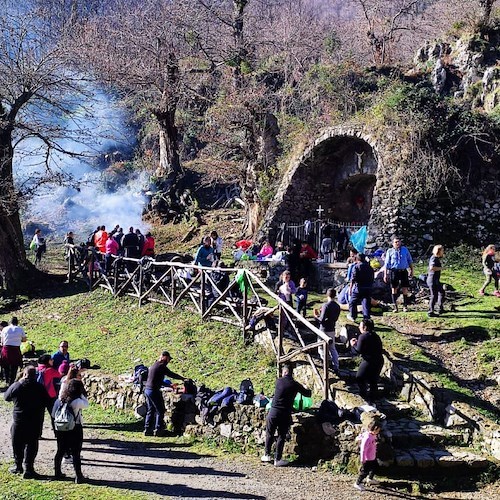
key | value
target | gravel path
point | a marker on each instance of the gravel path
(172, 470)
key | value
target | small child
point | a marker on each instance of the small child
(368, 456)
(301, 297)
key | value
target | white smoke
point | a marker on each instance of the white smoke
(78, 198)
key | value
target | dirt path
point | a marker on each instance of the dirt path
(171, 470)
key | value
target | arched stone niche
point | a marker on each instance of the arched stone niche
(338, 172)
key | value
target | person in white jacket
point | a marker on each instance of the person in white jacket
(75, 396)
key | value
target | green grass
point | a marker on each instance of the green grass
(116, 333)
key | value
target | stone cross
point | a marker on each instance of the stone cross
(320, 210)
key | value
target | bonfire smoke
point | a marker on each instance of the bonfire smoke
(80, 196)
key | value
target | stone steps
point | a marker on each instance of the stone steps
(406, 433)
(425, 457)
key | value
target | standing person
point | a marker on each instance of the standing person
(301, 297)
(130, 244)
(217, 243)
(360, 288)
(12, 359)
(488, 260)
(327, 317)
(434, 281)
(61, 355)
(100, 239)
(368, 456)
(369, 346)
(111, 248)
(280, 415)
(39, 245)
(285, 287)
(30, 400)
(51, 378)
(141, 240)
(326, 239)
(398, 270)
(205, 254)
(154, 398)
(148, 249)
(71, 440)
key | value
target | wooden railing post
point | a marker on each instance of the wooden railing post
(281, 325)
(202, 292)
(116, 263)
(326, 371)
(141, 278)
(245, 301)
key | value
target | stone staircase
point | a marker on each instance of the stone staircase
(422, 447)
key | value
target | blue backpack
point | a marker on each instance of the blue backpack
(247, 393)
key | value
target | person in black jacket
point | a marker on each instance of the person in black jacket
(360, 288)
(369, 346)
(154, 397)
(30, 400)
(280, 414)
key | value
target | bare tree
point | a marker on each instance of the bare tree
(486, 8)
(36, 89)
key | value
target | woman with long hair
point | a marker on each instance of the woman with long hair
(71, 440)
(488, 260)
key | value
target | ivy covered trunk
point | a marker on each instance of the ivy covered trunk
(13, 262)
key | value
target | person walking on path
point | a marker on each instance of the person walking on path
(368, 456)
(369, 346)
(327, 317)
(51, 380)
(280, 415)
(71, 441)
(12, 337)
(30, 400)
(154, 399)
(398, 270)
(488, 260)
(360, 288)
(434, 281)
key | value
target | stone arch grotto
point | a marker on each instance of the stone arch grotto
(338, 172)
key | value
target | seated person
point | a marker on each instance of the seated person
(265, 251)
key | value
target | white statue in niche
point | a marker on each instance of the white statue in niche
(359, 161)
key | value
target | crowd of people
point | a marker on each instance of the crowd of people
(54, 385)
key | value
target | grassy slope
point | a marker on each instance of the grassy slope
(114, 333)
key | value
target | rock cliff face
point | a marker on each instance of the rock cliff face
(363, 172)
(467, 68)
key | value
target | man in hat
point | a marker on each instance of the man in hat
(154, 398)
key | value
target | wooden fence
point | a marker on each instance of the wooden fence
(234, 296)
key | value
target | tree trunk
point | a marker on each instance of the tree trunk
(486, 7)
(13, 263)
(265, 143)
(169, 166)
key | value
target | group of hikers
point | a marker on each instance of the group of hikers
(55, 385)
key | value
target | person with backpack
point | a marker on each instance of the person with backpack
(50, 378)
(30, 400)
(280, 415)
(39, 245)
(154, 399)
(68, 421)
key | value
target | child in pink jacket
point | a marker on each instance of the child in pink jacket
(369, 464)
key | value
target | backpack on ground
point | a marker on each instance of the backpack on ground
(247, 393)
(140, 376)
(64, 418)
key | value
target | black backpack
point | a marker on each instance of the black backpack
(140, 376)
(247, 393)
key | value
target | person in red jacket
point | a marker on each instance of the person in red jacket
(148, 249)
(51, 379)
(100, 239)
